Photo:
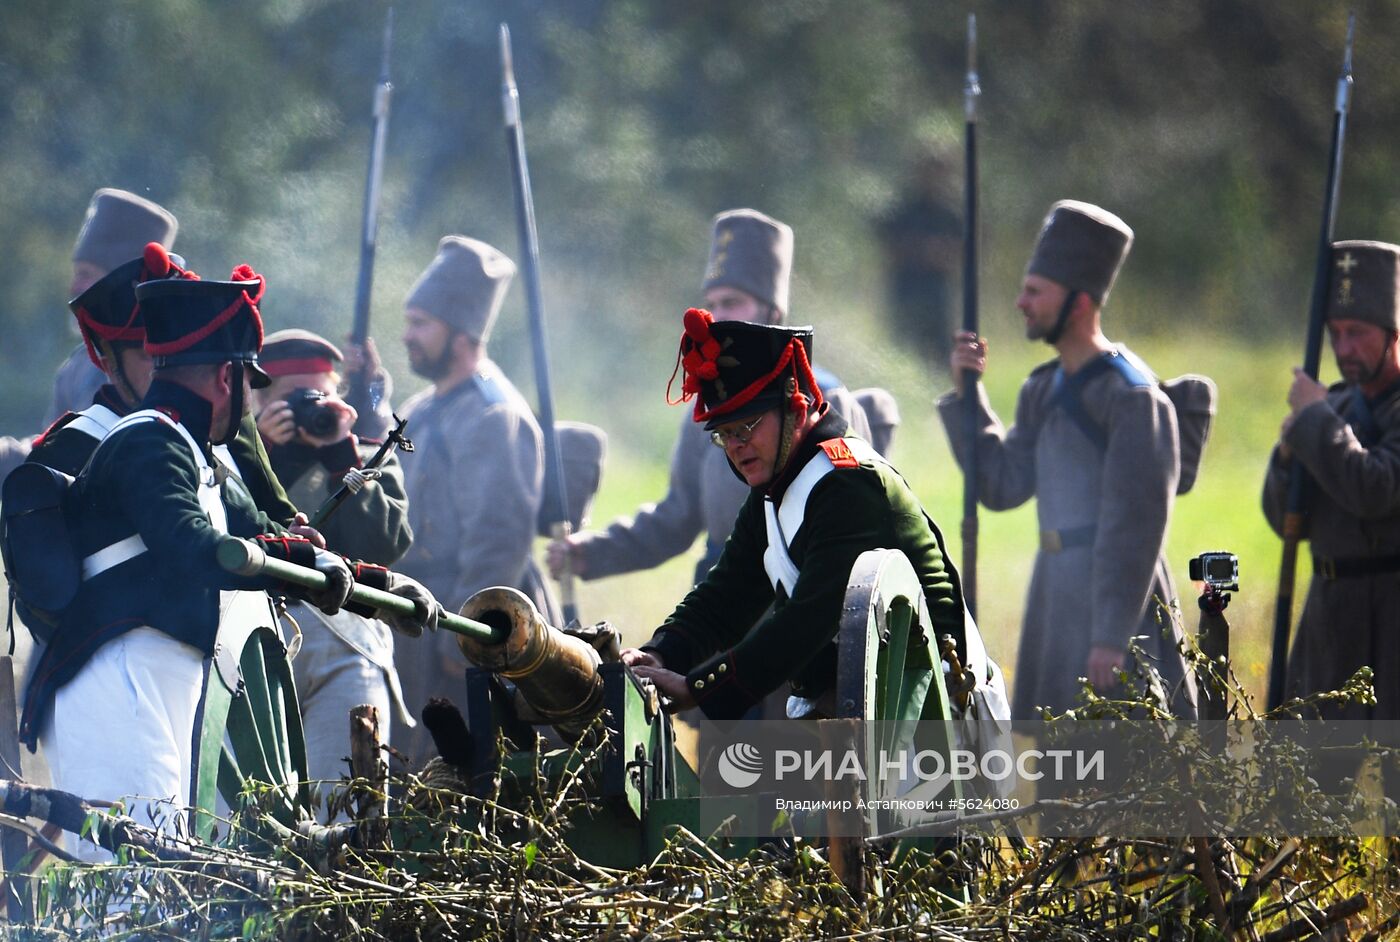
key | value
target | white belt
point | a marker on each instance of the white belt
(115, 554)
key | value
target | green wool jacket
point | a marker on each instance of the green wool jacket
(728, 667)
(144, 480)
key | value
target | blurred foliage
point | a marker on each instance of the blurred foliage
(1204, 125)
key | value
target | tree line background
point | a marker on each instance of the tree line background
(1205, 125)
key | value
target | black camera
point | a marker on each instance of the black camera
(311, 414)
(1217, 569)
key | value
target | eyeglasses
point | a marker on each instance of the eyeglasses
(721, 437)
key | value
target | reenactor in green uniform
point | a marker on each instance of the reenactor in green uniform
(113, 329)
(817, 498)
(1096, 443)
(116, 695)
(747, 279)
(1347, 438)
(476, 479)
(345, 659)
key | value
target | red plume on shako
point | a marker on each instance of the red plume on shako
(734, 369)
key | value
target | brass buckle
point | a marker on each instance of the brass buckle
(1050, 541)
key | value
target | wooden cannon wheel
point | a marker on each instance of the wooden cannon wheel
(249, 725)
(886, 644)
(890, 695)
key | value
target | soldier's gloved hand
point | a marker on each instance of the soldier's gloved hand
(339, 583)
(427, 608)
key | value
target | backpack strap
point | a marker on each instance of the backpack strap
(114, 554)
(1067, 390)
(95, 421)
(785, 521)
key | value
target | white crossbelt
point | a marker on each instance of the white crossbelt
(784, 522)
(95, 421)
(114, 554)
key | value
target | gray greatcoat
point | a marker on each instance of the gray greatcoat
(704, 496)
(1107, 588)
(475, 480)
(1353, 512)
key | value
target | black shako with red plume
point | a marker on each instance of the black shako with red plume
(735, 370)
(108, 311)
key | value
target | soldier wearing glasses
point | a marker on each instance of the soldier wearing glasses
(817, 498)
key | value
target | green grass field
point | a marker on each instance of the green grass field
(1221, 512)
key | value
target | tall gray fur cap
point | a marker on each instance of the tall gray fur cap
(1081, 246)
(1365, 283)
(117, 227)
(464, 286)
(751, 252)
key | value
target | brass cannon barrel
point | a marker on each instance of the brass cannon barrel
(556, 673)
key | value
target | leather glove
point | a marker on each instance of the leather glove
(428, 608)
(339, 583)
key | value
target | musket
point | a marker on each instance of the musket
(1296, 507)
(971, 91)
(554, 512)
(359, 394)
(395, 439)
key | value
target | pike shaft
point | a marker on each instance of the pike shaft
(555, 512)
(358, 394)
(1296, 507)
(971, 92)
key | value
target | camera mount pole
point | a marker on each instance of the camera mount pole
(971, 92)
(1296, 508)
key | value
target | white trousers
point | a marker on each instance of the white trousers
(332, 678)
(124, 730)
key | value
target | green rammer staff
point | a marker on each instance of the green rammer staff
(1322, 285)
(246, 558)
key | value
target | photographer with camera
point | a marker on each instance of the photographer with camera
(345, 659)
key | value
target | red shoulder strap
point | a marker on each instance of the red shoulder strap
(840, 453)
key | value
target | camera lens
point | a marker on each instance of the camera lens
(321, 422)
(311, 414)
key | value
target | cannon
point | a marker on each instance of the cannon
(521, 675)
